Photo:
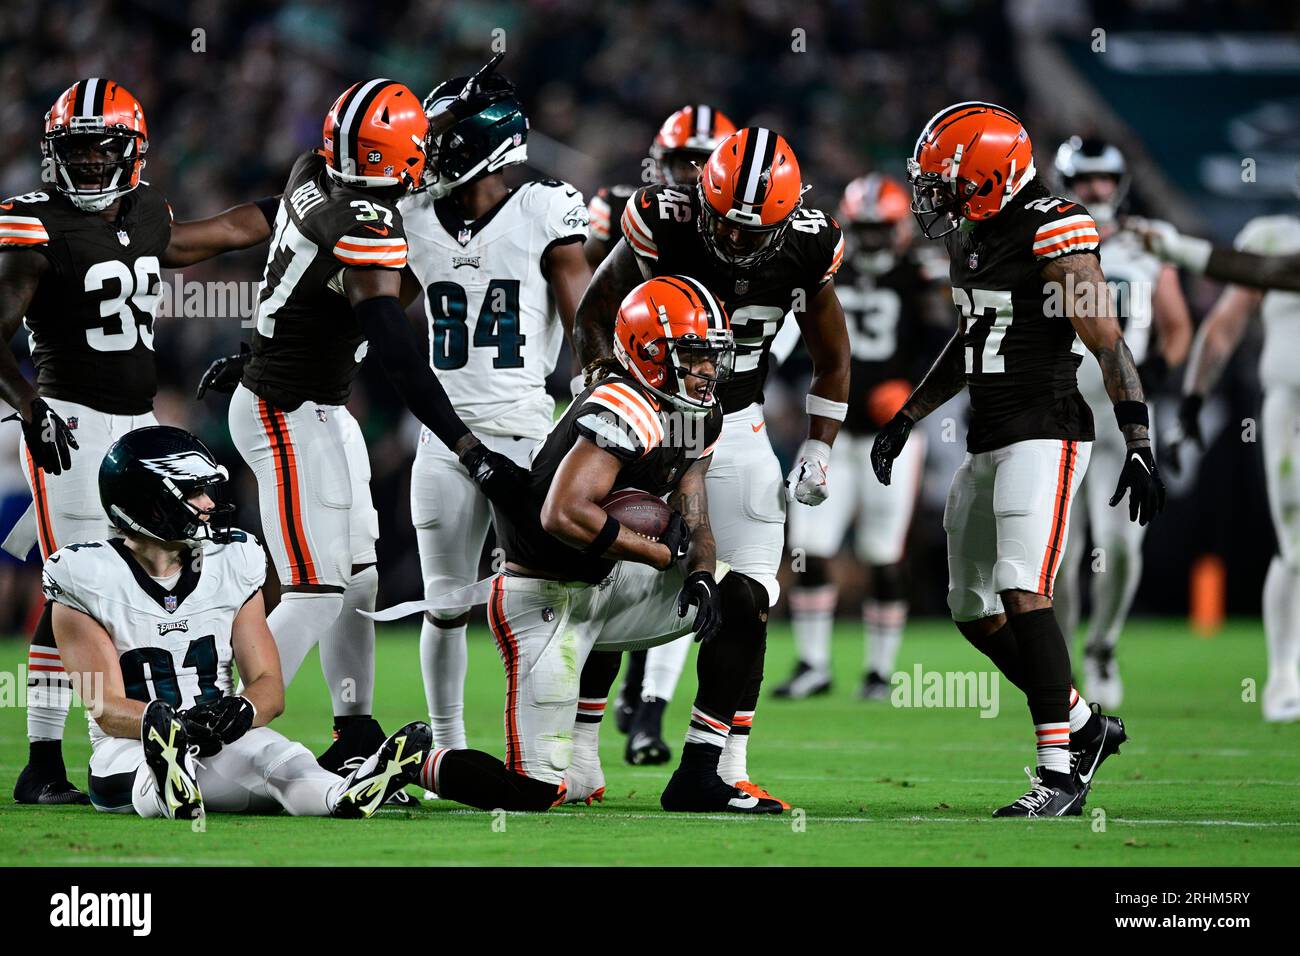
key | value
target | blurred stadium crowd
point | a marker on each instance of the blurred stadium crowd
(849, 83)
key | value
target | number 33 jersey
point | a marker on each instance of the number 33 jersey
(91, 317)
(1020, 348)
(309, 344)
(173, 642)
(494, 336)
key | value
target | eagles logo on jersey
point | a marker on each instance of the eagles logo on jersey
(799, 249)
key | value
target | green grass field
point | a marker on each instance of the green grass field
(1203, 781)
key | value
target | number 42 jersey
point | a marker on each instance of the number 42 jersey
(1020, 347)
(494, 336)
(172, 639)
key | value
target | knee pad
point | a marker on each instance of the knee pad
(744, 605)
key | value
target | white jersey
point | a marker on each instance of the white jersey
(1279, 364)
(493, 333)
(1131, 273)
(173, 643)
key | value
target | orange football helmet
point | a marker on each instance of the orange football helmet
(749, 191)
(376, 135)
(95, 139)
(969, 161)
(685, 141)
(669, 331)
(874, 213)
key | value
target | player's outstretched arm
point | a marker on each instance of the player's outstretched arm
(258, 662)
(1217, 262)
(593, 326)
(571, 511)
(88, 652)
(568, 275)
(239, 227)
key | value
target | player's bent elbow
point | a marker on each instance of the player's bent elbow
(559, 521)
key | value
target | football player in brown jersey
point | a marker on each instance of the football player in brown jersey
(81, 264)
(1028, 286)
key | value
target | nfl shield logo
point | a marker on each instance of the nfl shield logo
(72, 423)
(974, 261)
(742, 286)
(464, 236)
(320, 413)
(169, 602)
(123, 238)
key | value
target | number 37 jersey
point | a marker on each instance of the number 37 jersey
(494, 336)
(173, 642)
(91, 317)
(1020, 347)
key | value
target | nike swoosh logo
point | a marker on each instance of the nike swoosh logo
(758, 428)
(1138, 458)
(1087, 778)
(645, 201)
(1067, 206)
(381, 232)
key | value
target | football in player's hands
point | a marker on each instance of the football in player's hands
(48, 438)
(677, 536)
(227, 718)
(638, 511)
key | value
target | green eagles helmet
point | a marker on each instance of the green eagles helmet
(479, 144)
(147, 477)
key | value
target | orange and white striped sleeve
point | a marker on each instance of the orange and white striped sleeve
(635, 229)
(1068, 234)
(598, 213)
(621, 420)
(385, 252)
(837, 259)
(22, 231)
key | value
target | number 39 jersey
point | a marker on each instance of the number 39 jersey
(493, 334)
(91, 317)
(173, 643)
(1021, 349)
(659, 223)
(309, 344)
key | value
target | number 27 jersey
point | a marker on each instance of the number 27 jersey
(1021, 350)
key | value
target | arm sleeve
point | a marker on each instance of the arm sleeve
(375, 244)
(386, 327)
(598, 213)
(1066, 233)
(637, 227)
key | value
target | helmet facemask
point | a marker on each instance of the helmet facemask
(686, 371)
(935, 202)
(737, 242)
(94, 168)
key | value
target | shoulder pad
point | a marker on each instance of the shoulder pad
(628, 420)
(368, 233)
(23, 220)
(1061, 226)
(644, 210)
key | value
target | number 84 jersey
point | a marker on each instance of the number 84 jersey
(1021, 351)
(91, 316)
(172, 639)
(494, 336)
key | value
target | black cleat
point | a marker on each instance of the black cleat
(170, 756)
(1106, 740)
(357, 737)
(384, 773)
(624, 711)
(47, 786)
(806, 681)
(874, 687)
(694, 792)
(1057, 796)
(645, 742)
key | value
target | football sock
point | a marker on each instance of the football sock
(598, 674)
(663, 668)
(884, 622)
(478, 779)
(444, 659)
(635, 675)
(1000, 648)
(49, 691)
(1281, 630)
(812, 615)
(297, 623)
(705, 729)
(347, 649)
(734, 766)
(591, 711)
(1046, 664)
(1081, 717)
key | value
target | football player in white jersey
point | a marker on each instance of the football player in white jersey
(1263, 242)
(151, 623)
(1150, 302)
(502, 270)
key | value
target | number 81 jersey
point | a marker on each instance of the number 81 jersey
(91, 316)
(1021, 350)
(173, 642)
(493, 334)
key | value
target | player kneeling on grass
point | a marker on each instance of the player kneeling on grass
(577, 579)
(152, 621)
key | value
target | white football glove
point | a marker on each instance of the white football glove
(807, 483)
(1164, 241)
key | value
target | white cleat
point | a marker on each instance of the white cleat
(584, 781)
(1101, 680)
(1285, 710)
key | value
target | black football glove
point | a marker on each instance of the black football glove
(1188, 429)
(677, 536)
(228, 718)
(49, 440)
(224, 374)
(199, 733)
(702, 591)
(503, 482)
(889, 445)
(474, 98)
(1146, 492)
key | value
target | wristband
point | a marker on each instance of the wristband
(1132, 413)
(825, 408)
(600, 544)
(269, 208)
